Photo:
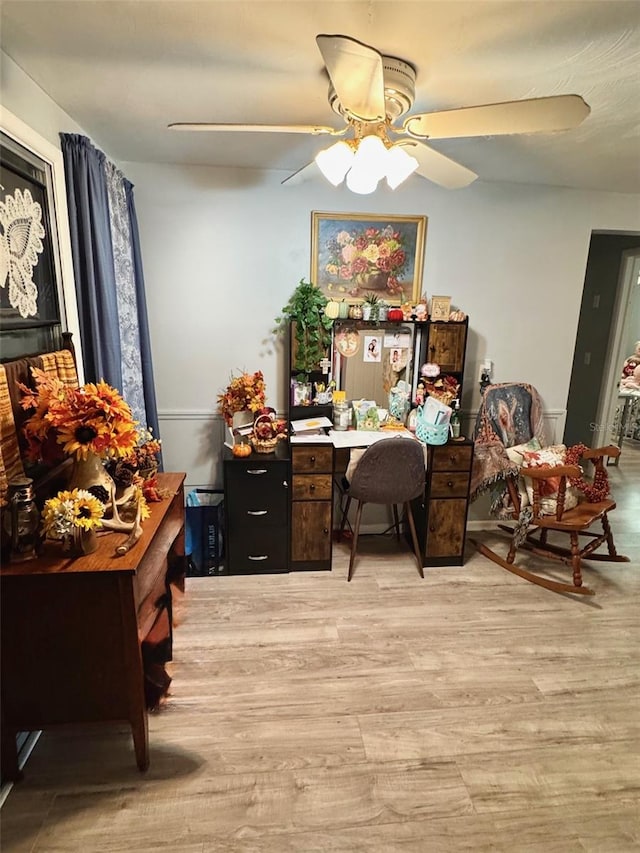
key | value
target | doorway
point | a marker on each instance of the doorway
(603, 311)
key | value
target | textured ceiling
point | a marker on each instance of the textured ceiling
(124, 70)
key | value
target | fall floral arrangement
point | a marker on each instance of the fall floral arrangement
(67, 512)
(355, 255)
(142, 461)
(76, 421)
(245, 393)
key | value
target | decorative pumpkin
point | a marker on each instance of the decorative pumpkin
(355, 312)
(395, 315)
(332, 310)
(457, 316)
(241, 449)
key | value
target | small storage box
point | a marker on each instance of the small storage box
(204, 541)
(432, 433)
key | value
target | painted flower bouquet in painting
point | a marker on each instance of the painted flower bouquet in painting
(369, 259)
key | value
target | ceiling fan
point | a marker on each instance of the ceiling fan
(371, 91)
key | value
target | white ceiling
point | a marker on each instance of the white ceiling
(124, 70)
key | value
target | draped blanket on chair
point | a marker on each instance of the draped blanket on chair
(510, 414)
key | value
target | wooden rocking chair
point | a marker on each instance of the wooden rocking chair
(500, 423)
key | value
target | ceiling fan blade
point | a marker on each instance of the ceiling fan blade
(257, 128)
(303, 174)
(437, 168)
(536, 115)
(356, 74)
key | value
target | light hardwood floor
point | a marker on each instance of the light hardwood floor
(469, 711)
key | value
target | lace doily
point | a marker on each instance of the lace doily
(21, 233)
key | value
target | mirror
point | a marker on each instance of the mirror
(372, 359)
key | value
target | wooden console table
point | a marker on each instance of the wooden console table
(83, 639)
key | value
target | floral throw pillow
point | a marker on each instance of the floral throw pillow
(548, 457)
(516, 455)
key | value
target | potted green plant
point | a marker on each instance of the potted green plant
(310, 327)
(370, 307)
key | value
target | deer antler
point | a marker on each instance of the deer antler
(116, 524)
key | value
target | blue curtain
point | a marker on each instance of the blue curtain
(92, 253)
(109, 277)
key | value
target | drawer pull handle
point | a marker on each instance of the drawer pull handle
(256, 470)
(257, 511)
(450, 483)
(452, 458)
(258, 558)
(312, 487)
(285, 484)
(313, 460)
(432, 530)
(326, 531)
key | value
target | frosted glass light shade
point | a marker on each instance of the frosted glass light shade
(399, 166)
(334, 162)
(371, 157)
(361, 180)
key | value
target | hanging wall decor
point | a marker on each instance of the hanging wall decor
(29, 293)
(355, 254)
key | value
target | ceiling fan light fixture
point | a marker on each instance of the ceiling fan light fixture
(371, 157)
(362, 181)
(334, 162)
(399, 166)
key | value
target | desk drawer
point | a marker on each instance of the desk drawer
(451, 484)
(450, 457)
(306, 460)
(312, 487)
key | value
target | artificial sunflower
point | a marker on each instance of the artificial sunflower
(90, 419)
(70, 510)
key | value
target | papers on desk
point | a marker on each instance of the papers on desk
(310, 430)
(310, 424)
(310, 438)
(363, 437)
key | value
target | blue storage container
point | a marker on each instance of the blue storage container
(204, 533)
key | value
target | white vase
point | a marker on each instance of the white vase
(89, 472)
(241, 419)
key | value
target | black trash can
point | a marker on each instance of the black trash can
(204, 534)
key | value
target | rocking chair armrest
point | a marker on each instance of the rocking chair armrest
(596, 454)
(540, 473)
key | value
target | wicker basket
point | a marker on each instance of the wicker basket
(264, 445)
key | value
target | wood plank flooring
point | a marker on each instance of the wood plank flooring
(471, 711)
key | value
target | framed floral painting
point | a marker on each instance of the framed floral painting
(355, 254)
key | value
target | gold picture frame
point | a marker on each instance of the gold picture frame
(440, 307)
(353, 254)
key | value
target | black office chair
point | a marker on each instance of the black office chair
(390, 472)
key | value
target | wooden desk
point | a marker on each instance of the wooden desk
(440, 515)
(80, 636)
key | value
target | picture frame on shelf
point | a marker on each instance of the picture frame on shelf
(440, 307)
(355, 254)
